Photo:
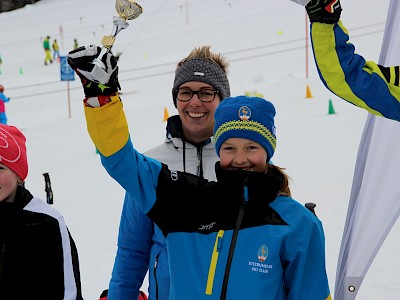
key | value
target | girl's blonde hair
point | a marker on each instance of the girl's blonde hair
(285, 190)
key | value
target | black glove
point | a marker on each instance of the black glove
(324, 11)
(97, 70)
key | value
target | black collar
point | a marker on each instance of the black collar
(260, 186)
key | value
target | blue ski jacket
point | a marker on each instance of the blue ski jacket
(349, 76)
(235, 239)
(141, 244)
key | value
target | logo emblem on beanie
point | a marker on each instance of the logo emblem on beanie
(9, 148)
(244, 113)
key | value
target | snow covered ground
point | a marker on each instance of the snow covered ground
(266, 44)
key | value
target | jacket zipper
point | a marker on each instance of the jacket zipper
(155, 273)
(233, 243)
(214, 260)
(199, 161)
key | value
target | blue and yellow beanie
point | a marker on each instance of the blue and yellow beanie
(246, 117)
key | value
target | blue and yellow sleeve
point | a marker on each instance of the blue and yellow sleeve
(107, 139)
(136, 173)
(352, 78)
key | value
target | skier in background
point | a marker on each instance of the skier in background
(1, 62)
(76, 44)
(3, 99)
(56, 50)
(47, 50)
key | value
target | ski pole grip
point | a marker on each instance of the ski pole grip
(49, 192)
(311, 206)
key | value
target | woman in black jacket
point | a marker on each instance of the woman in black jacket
(38, 257)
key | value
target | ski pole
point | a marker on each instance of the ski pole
(49, 192)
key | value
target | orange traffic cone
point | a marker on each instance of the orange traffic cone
(166, 115)
(308, 92)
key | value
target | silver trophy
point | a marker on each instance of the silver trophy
(127, 10)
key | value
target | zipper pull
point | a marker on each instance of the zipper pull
(219, 240)
(245, 192)
(156, 261)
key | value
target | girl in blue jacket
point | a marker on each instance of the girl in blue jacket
(242, 237)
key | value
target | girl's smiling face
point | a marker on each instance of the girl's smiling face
(243, 154)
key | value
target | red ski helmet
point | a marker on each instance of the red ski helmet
(1, 88)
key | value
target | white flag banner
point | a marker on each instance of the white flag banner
(374, 204)
(301, 2)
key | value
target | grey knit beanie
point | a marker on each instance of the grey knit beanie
(200, 69)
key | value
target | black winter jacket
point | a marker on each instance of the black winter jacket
(38, 257)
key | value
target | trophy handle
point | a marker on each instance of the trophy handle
(119, 24)
(108, 40)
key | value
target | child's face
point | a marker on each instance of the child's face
(238, 153)
(8, 184)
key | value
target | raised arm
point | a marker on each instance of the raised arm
(108, 128)
(136, 173)
(345, 73)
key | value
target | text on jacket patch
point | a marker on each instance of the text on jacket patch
(207, 227)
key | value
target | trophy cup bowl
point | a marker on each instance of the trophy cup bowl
(127, 10)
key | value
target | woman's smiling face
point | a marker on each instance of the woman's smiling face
(197, 116)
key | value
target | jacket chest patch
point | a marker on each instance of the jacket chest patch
(260, 266)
